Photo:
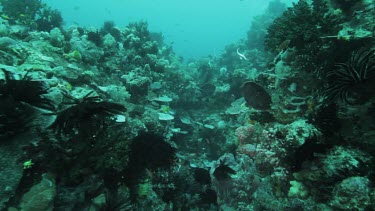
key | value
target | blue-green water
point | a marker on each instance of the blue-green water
(195, 28)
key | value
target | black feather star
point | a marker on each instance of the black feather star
(25, 90)
(87, 116)
(223, 171)
(17, 99)
(353, 82)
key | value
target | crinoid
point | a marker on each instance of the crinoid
(17, 99)
(87, 116)
(223, 171)
(25, 90)
(353, 82)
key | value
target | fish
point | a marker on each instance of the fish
(256, 96)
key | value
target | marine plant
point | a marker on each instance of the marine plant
(352, 82)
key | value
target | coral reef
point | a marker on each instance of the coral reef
(111, 119)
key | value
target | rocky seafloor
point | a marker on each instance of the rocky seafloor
(112, 119)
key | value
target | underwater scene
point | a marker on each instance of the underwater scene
(197, 105)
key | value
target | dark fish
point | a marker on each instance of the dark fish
(256, 96)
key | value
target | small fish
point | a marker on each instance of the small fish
(241, 55)
(5, 17)
(283, 46)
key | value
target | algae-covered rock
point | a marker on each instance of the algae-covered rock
(352, 194)
(11, 170)
(297, 189)
(40, 196)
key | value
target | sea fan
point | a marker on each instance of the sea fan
(352, 81)
(86, 117)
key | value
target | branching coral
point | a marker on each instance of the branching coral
(350, 80)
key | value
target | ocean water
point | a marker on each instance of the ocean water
(195, 28)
